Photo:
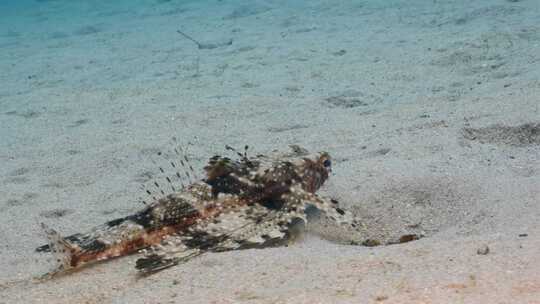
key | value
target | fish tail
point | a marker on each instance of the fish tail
(62, 250)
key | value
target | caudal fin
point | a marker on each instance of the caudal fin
(62, 250)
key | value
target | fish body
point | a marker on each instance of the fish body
(248, 202)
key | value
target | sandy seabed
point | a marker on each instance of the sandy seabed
(429, 108)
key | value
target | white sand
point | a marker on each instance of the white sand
(389, 88)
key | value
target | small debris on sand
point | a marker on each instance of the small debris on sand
(483, 250)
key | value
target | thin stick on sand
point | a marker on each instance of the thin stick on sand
(206, 46)
(189, 38)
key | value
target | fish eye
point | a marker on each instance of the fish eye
(327, 163)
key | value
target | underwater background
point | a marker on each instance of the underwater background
(430, 110)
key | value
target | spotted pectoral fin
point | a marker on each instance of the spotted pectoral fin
(337, 213)
(177, 249)
(338, 218)
(274, 233)
(172, 251)
(242, 228)
(216, 234)
(330, 207)
(253, 226)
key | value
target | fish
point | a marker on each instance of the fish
(241, 202)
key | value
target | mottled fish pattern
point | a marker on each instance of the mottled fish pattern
(241, 202)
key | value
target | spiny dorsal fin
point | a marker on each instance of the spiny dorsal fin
(174, 172)
(218, 166)
(243, 156)
(185, 161)
(221, 166)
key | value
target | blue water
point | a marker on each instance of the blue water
(94, 42)
(379, 51)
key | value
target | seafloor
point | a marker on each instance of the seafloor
(430, 109)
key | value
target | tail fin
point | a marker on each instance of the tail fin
(62, 250)
(76, 238)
